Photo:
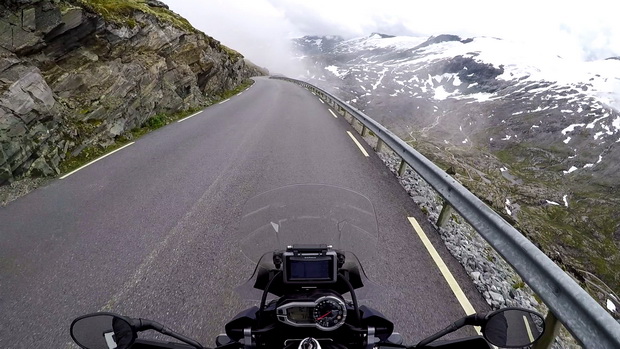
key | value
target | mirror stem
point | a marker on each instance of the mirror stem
(453, 327)
(475, 319)
(144, 324)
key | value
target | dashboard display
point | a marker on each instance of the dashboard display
(326, 313)
(299, 314)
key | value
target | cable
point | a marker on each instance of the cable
(264, 297)
(356, 308)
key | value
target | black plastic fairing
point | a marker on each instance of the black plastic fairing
(245, 319)
(373, 318)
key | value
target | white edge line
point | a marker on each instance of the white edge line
(443, 268)
(321, 101)
(333, 113)
(92, 162)
(191, 116)
(222, 102)
(358, 144)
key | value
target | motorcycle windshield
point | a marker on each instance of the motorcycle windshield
(309, 214)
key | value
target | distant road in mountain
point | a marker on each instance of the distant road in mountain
(152, 230)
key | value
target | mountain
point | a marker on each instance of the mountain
(534, 135)
(76, 74)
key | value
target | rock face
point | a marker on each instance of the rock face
(70, 78)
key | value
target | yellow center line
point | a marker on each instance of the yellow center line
(358, 144)
(92, 162)
(333, 113)
(443, 268)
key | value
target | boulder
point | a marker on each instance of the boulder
(156, 3)
(71, 19)
(29, 17)
(48, 17)
(6, 34)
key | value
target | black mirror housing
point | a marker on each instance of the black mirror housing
(103, 331)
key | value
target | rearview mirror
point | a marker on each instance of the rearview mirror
(513, 327)
(103, 331)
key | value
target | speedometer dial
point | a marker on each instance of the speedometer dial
(329, 313)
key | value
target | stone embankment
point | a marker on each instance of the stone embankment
(72, 78)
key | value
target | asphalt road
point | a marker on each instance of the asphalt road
(153, 230)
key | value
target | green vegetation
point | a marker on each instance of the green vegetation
(121, 12)
(87, 155)
(93, 152)
(577, 237)
(519, 284)
(244, 85)
(232, 54)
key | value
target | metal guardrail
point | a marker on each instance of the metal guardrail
(584, 318)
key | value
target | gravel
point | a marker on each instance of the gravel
(20, 188)
(500, 285)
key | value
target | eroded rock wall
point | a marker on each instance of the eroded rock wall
(70, 79)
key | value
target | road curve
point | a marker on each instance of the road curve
(152, 230)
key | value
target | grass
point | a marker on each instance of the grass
(153, 123)
(87, 155)
(519, 284)
(576, 237)
(232, 54)
(244, 85)
(122, 12)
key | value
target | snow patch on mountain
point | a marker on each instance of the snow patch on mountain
(515, 92)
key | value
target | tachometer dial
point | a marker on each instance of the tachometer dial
(329, 313)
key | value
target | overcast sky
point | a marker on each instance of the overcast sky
(262, 29)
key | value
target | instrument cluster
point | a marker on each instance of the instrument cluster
(326, 313)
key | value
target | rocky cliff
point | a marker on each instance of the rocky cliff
(78, 73)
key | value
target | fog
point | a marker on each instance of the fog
(262, 29)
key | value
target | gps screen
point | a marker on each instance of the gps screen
(310, 269)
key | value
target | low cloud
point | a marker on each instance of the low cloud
(262, 29)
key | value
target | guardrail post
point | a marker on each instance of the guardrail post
(402, 167)
(364, 130)
(446, 213)
(361, 124)
(379, 145)
(350, 121)
(552, 328)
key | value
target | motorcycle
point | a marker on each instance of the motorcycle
(310, 285)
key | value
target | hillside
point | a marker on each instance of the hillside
(81, 74)
(534, 135)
